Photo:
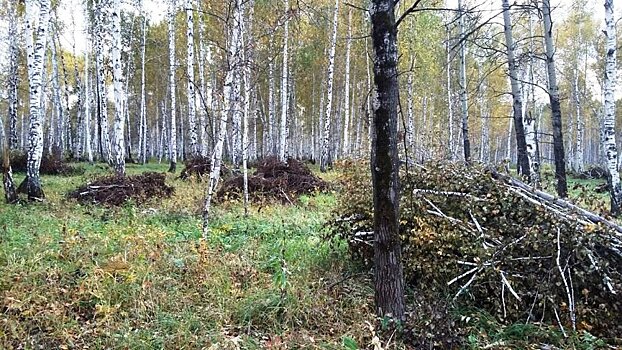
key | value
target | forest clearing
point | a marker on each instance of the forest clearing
(321, 174)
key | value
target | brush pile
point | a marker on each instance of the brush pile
(50, 165)
(197, 167)
(275, 180)
(490, 242)
(116, 190)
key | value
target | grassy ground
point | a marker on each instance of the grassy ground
(140, 277)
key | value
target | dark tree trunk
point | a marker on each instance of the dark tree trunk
(556, 114)
(558, 148)
(388, 271)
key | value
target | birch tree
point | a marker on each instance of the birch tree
(556, 115)
(119, 120)
(192, 127)
(325, 159)
(284, 90)
(36, 48)
(466, 143)
(172, 84)
(87, 105)
(13, 78)
(231, 91)
(10, 192)
(517, 99)
(346, 96)
(609, 132)
(142, 139)
(103, 135)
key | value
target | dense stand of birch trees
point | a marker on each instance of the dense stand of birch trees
(234, 81)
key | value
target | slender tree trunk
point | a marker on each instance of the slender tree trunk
(579, 158)
(87, 105)
(57, 143)
(192, 127)
(10, 192)
(205, 58)
(519, 128)
(231, 91)
(246, 34)
(556, 114)
(388, 271)
(102, 105)
(450, 107)
(13, 78)
(271, 109)
(346, 102)
(609, 132)
(325, 161)
(171, 82)
(143, 101)
(410, 115)
(466, 142)
(284, 91)
(36, 58)
(119, 120)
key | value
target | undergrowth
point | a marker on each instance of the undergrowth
(139, 277)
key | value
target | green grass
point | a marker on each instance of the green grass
(140, 277)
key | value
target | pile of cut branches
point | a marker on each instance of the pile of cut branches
(275, 180)
(491, 242)
(50, 165)
(199, 167)
(117, 190)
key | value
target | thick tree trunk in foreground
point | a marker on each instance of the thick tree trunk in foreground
(36, 59)
(388, 272)
(521, 144)
(609, 132)
(556, 113)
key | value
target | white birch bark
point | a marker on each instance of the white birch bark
(246, 34)
(609, 132)
(230, 92)
(192, 125)
(117, 65)
(87, 106)
(36, 58)
(271, 109)
(143, 101)
(205, 59)
(102, 95)
(450, 108)
(57, 134)
(284, 91)
(466, 144)
(409, 110)
(580, 123)
(13, 78)
(172, 84)
(346, 102)
(324, 162)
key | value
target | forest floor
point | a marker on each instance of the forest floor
(140, 277)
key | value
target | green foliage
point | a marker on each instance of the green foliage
(139, 277)
(469, 238)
